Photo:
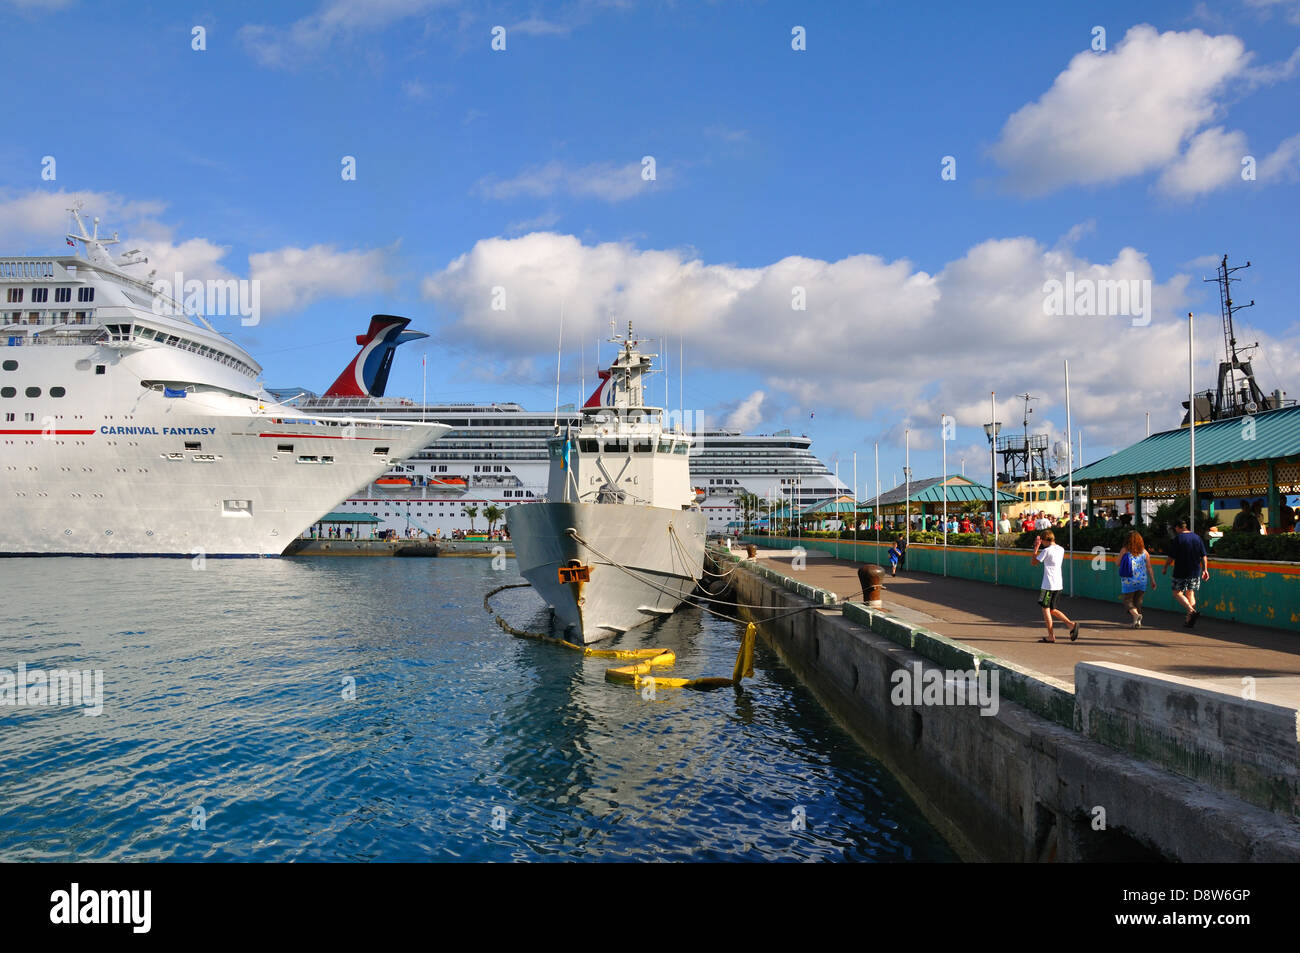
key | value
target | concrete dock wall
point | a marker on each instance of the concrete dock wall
(1260, 593)
(1019, 784)
(398, 547)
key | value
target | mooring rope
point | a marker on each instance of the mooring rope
(643, 660)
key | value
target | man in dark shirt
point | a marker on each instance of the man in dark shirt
(1245, 521)
(1191, 567)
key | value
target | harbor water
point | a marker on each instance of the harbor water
(370, 710)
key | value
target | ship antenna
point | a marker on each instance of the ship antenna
(559, 350)
(1229, 401)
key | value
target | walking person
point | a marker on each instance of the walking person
(896, 554)
(1052, 558)
(1191, 567)
(1135, 572)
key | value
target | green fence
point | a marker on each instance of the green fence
(1261, 593)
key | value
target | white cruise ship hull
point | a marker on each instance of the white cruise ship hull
(660, 567)
(207, 474)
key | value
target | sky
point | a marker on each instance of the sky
(846, 219)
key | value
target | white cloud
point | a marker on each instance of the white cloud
(747, 414)
(293, 278)
(544, 221)
(601, 180)
(536, 26)
(1289, 8)
(43, 216)
(1283, 163)
(947, 339)
(1113, 115)
(1212, 160)
(311, 35)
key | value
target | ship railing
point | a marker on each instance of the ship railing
(30, 269)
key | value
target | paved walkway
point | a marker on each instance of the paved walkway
(1006, 621)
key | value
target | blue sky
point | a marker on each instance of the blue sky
(774, 169)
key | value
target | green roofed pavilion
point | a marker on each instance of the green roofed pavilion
(1239, 457)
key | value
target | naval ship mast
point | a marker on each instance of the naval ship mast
(1238, 393)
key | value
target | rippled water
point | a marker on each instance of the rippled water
(224, 694)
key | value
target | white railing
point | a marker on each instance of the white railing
(28, 269)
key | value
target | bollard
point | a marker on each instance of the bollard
(872, 579)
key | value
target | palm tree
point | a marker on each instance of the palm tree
(749, 505)
(471, 512)
(493, 513)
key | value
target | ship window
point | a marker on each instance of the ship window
(40, 294)
(57, 392)
(99, 368)
(193, 445)
(616, 446)
(15, 295)
(587, 446)
(85, 294)
(11, 365)
(681, 447)
(326, 459)
(62, 294)
(643, 446)
(33, 392)
(284, 448)
(381, 451)
(9, 418)
(236, 508)
(8, 392)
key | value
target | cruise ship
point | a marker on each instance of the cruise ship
(496, 455)
(132, 427)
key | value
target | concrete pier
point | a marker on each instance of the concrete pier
(400, 547)
(1134, 767)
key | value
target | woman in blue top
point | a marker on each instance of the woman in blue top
(1137, 561)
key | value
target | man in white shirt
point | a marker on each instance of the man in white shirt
(1052, 558)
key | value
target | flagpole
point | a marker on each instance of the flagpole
(1191, 419)
(855, 506)
(1069, 452)
(877, 510)
(944, 440)
(907, 491)
(993, 475)
(424, 372)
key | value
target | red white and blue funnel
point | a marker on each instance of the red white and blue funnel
(367, 375)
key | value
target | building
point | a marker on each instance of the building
(1254, 458)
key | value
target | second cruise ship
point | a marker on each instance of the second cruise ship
(496, 455)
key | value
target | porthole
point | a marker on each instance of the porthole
(33, 392)
(8, 392)
(57, 392)
(11, 365)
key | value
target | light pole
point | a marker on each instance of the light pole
(991, 430)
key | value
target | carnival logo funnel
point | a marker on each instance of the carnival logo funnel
(367, 375)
